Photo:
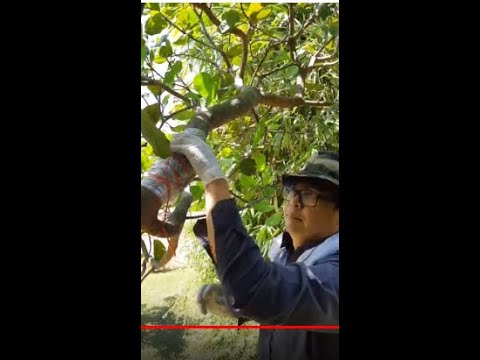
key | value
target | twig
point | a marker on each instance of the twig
(148, 273)
(185, 33)
(325, 64)
(276, 70)
(199, 58)
(291, 29)
(179, 111)
(146, 81)
(235, 31)
(222, 53)
(309, 21)
(238, 197)
(318, 103)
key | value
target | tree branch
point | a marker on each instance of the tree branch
(238, 197)
(179, 111)
(318, 103)
(199, 58)
(185, 33)
(235, 31)
(146, 81)
(309, 21)
(291, 29)
(288, 102)
(276, 70)
(222, 53)
(325, 64)
(301, 82)
(314, 59)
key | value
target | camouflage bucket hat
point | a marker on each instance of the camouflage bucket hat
(323, 165)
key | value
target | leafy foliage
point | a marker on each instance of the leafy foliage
(198, 60)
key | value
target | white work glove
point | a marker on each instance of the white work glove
(191, 143)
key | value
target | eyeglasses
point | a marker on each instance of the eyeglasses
(306, 197)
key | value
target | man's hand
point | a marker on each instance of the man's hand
(191, 143)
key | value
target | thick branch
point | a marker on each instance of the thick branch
(146, 81)
(170, 176)
(301, 82)
(235, 31)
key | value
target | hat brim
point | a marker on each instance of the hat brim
(288, 177)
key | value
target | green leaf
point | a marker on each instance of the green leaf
(231, 17)
(226, 152)
(333, 26)
(204, 84)
(262, 14)
(186, 17)
(179, 128)
(325, 11)
(281, 56)
(182, 40)
(165, 99)
(155, 89)
(197, 191)
(155, 137)
(263, 207)
(184, 115)
(274, 220)
(193, 96)
(145, 161)
(260, 161)
(235, 51)
(159, 59)
(155, 24)
(291, 71)
(247, 181)
(248, 167)
(152, 6)
(153, 112)
(166, 49)
(158, 249)
(259, 132)
(254, 7)
(262, 234)
(172, 73)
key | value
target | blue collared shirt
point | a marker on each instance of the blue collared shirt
(303, 292)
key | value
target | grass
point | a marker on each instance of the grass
(169, 298)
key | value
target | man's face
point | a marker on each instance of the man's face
(306, 223)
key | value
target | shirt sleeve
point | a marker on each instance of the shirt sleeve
(271, 293)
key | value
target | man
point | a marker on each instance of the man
(300, 285)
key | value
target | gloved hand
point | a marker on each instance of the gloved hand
(211, 299)
(191, 143)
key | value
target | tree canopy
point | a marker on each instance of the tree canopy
(267, 78)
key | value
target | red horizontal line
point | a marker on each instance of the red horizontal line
(176, 327)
